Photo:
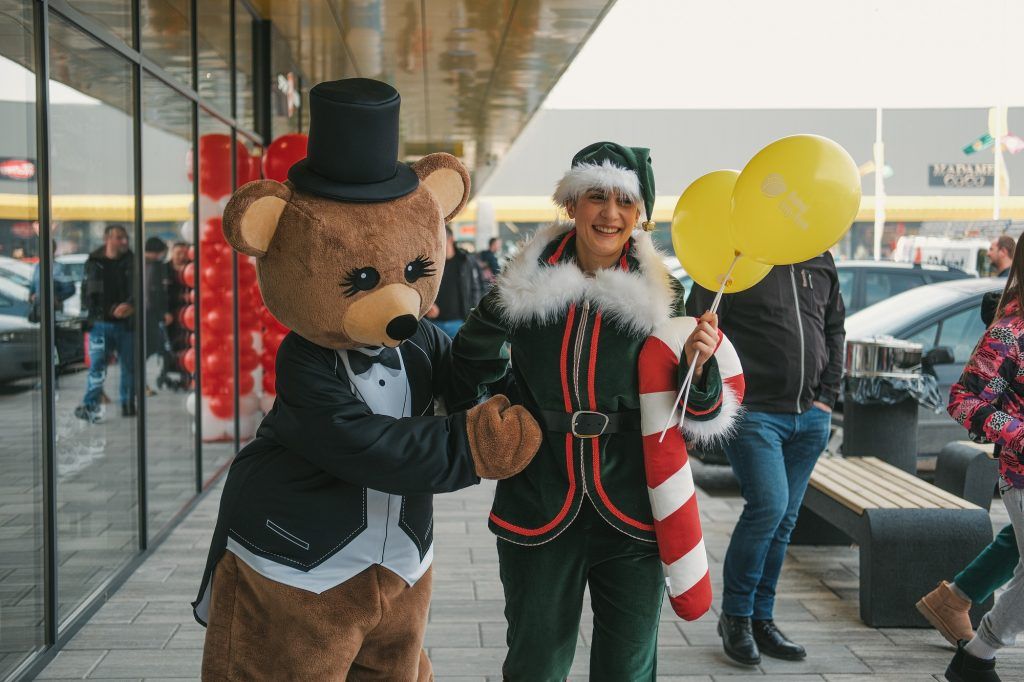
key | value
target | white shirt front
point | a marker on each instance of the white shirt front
(385, 391)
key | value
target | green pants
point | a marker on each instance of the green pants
(991, 569)
(544, 588)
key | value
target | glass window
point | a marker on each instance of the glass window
(213, 45)
(21, 542)
(881, 285)
(846, 279)
(166, 38)
(93, 203)
(114, 14)
(245, 62)
(926, 337)
(216, 297)
(168, 275)
(960, 333)
(250, 316)
(285, 87)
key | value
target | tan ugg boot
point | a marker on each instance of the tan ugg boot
(947, 612)
(503, 438)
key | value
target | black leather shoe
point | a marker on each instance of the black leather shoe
(967, 668)
(772, 642)
(738, 639)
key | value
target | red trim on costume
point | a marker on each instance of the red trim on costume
(623, 263)
(563, 358)
(561, 247)
(570, 469)
(565, 506)
(591, 368)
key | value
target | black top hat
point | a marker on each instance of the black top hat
(352, 154)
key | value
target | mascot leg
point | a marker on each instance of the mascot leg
(263, 630)
(393, 650)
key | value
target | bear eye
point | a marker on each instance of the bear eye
(421, 267)
(361, 279)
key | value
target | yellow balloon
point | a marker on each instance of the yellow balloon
(795, 199)
(700, 235)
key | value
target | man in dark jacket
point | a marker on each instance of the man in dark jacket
(107, 299)
(157, 278)
(461, 289)
(788, 331)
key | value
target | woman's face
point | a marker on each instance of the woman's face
(604, 221)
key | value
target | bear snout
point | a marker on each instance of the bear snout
(402, 327)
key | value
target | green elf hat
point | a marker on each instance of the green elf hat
(611, 166)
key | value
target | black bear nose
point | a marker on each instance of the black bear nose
(402, 327)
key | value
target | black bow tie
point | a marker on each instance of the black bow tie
(361, 362)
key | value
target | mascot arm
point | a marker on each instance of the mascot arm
(479, 354)
(319, 419)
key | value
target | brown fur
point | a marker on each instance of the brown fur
(502, 432)
(368, 628)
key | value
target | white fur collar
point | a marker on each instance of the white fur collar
(532, 291)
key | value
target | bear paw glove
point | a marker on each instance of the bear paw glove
(503, 438)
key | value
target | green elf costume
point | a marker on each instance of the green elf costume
(579, 514)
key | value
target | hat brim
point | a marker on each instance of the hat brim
(405, 181)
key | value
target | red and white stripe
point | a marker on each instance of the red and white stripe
(669, 479)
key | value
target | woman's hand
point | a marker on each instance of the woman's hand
(702, 342)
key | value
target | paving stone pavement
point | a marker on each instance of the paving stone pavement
(146, 630)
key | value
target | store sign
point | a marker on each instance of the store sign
(17, 169)
(961, 175)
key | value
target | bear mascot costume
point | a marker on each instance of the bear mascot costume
(319, 568)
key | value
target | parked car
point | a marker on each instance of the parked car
(945, 319)
(19, 348)
(866, 282)
(17, 271)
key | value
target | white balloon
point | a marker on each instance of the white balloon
(186, 231)
(247, 426)
(267, 402)
(248, 404)
(190, 403)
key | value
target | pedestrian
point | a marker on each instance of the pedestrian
(575, 307)
(461, 288)
(109, 304)
(157, 281)
(990, 406)
(178, 297)
(489, 259)
(788, 331)
(1000, 255)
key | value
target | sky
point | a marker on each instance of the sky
(739, 54)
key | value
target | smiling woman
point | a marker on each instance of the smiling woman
(576, 305)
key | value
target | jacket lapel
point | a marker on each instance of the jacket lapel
(418, 372)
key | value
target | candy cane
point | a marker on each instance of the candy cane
(669, 480)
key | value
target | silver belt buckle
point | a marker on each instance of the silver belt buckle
(577, 415)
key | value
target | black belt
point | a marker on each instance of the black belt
(589, 424)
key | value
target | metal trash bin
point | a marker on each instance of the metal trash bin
(881, 388)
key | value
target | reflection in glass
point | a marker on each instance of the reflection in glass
(285, 87)
(166, 36)
(245, 61)
(166, 211)
(250, 317)
(213, 44)
(216, 297)
(93, 208)
(21, 542)
(114, 14)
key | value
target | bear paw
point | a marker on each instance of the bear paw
(503, 438)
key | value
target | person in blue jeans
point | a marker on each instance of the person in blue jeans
(788, 331)
(108, 301)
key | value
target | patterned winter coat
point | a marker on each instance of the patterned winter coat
(989, 398)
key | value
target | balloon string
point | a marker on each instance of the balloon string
(684, 390)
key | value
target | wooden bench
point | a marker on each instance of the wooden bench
(911, 534)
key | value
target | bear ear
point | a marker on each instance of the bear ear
(251, 216)
(447, 179)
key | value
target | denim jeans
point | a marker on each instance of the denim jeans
(773, 456)
(449, 327)
(104, 339)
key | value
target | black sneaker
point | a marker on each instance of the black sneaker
(967, 668)
(128, 410)
(87, 413)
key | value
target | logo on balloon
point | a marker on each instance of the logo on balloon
(773, 185)
(793, 208)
